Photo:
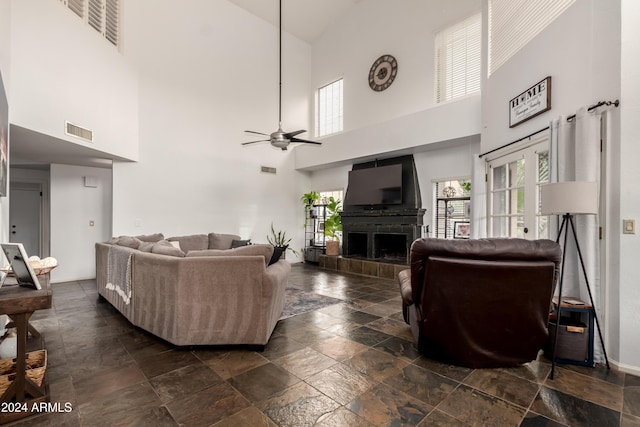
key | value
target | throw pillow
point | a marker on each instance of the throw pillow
(277, 253)
(221, 241)
(194, 242)
(151, 237)
(146, 246)
(262, 249)
(127, 241)
(163, 247)
(239, 243)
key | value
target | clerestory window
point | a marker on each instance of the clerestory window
(101, 15)
(458, 59)
(330, 109)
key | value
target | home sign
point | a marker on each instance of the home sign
(533, 101)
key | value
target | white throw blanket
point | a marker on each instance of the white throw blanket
(119, 271)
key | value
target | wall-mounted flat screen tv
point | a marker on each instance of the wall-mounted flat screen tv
(380, 185)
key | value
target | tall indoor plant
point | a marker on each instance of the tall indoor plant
(333, 226)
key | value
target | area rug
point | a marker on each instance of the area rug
(298, 301)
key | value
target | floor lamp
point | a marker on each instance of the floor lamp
(569, 199)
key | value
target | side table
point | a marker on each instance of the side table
(575, 335)
(19, 303)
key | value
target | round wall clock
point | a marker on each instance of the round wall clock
(383, 72)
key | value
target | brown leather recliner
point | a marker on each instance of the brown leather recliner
(480, 303)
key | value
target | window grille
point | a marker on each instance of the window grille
(330, 109)
(514, 182)
(452, 204)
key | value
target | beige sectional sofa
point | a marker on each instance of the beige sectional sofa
(198, 291)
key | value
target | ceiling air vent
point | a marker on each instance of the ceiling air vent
(267, 169)
(77, 131)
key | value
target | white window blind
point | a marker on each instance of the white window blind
(77, 6)
(458, 59)
(102, 15)
(330, 109)
(513, 23)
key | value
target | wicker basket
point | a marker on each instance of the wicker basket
(36, 368)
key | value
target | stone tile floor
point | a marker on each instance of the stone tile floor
(350, 364)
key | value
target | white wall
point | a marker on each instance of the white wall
(404, 119)
(581, 51)
(453, 121)
(629, 291)
(63, 70)
(370, 29)
(330, 179)
(405, 115)
(72, 207)
(5, 43)
(443, 163)
(204, 79)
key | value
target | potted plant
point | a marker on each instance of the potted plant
(309, 199)
(333, 226)
(279, 239)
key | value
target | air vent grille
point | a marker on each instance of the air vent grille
(267, 169)
(77, 131)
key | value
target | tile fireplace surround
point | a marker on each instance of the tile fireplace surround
(364, 267)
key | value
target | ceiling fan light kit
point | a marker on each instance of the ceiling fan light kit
(280, 139)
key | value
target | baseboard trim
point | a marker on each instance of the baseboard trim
(628, 369)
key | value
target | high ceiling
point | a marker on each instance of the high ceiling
(305, 19)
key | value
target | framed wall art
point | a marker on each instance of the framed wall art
(530, 103)
(461, 230)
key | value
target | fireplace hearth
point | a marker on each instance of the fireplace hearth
(385, 232)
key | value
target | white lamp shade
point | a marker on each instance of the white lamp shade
(574, 197)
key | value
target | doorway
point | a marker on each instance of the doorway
(514, 182)
(26, 213)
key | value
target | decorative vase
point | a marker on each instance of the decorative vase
(333, 248)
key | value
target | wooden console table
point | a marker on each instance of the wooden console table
(19, 303)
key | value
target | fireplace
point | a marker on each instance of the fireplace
(383, 232)
(390, 247)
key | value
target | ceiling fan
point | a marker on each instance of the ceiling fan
(280, 139)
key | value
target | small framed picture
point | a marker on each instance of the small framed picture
(321, 227)
(461, 230)
(467, 209)
(20, 266)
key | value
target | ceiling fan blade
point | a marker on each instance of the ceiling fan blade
(253, 142)
(305, 141)
(257, 133)
(290, 135)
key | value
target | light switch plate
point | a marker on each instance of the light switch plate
(629, 226)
